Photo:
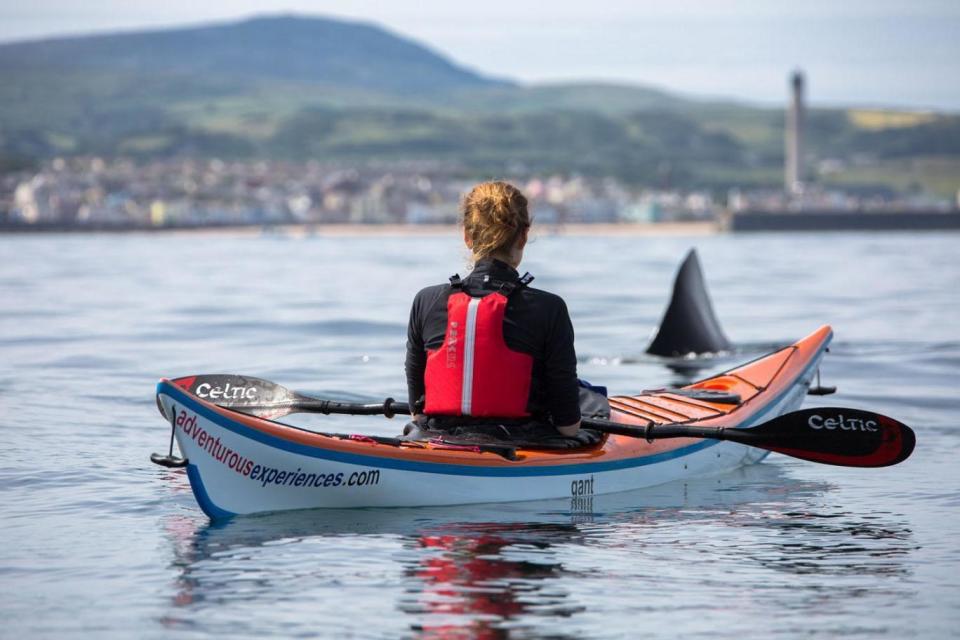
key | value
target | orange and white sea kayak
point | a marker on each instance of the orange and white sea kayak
(240, 464)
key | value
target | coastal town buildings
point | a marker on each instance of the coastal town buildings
(97, 192)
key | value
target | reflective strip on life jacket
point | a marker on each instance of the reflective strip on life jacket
(474, 373)
(469, 347)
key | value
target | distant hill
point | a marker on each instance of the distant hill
(310, 50)
(300, 87)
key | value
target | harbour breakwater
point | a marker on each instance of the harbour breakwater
(747, 221)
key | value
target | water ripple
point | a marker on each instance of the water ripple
(782, 549)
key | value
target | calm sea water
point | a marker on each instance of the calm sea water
(97, 542)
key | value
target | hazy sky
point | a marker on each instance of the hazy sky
(861, 52)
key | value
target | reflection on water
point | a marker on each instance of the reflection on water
(473, 581)
(489, 571)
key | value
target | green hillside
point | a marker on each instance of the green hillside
(297, 88)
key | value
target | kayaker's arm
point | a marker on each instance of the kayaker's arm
(416, 361)
(425, 330)
(560, 372)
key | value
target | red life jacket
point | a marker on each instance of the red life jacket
(474, 373)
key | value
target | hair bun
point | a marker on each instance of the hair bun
(494, 214)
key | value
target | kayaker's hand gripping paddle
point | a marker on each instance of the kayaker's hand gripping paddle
(830, 435)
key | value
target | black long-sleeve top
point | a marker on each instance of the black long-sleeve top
(535, 322)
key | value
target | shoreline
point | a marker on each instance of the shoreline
(304, 230)
(541, 230)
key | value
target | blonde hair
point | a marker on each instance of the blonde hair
(494, 216)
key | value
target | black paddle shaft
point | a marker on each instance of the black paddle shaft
(653, 431)
(388, 408)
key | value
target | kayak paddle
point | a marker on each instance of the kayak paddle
(265, 399)
(829, 435)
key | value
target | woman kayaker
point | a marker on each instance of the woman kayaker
(488, 347)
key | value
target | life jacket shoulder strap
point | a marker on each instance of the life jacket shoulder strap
(509, 288)
(505, 287)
